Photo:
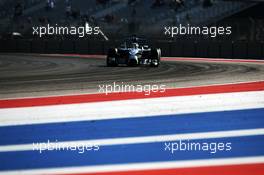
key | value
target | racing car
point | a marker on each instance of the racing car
(133, 52)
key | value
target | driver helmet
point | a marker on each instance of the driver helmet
(135, 45)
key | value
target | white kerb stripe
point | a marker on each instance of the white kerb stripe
(132, 108)
(145, 139)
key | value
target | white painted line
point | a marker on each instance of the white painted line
(132, 108)
(144, 139)
(84, 93)
(142, 166)
(223, 60)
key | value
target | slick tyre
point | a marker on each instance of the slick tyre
(111, 59)
(155, 57)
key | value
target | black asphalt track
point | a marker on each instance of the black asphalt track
(24, 75)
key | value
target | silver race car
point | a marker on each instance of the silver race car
(133, 52)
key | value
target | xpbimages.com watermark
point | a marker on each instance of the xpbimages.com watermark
(186, 145)
(147, 89)
(80, 31)
(212, 31)
(78, 147)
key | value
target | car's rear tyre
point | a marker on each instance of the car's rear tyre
(155, 57)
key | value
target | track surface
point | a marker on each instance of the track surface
(130, 128)
(35, 75)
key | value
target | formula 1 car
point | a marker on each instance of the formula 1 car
(133, 52)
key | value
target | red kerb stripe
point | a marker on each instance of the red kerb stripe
(86, 98)
(254, 169)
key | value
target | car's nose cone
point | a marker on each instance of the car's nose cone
(133, 60)
(133, 57)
